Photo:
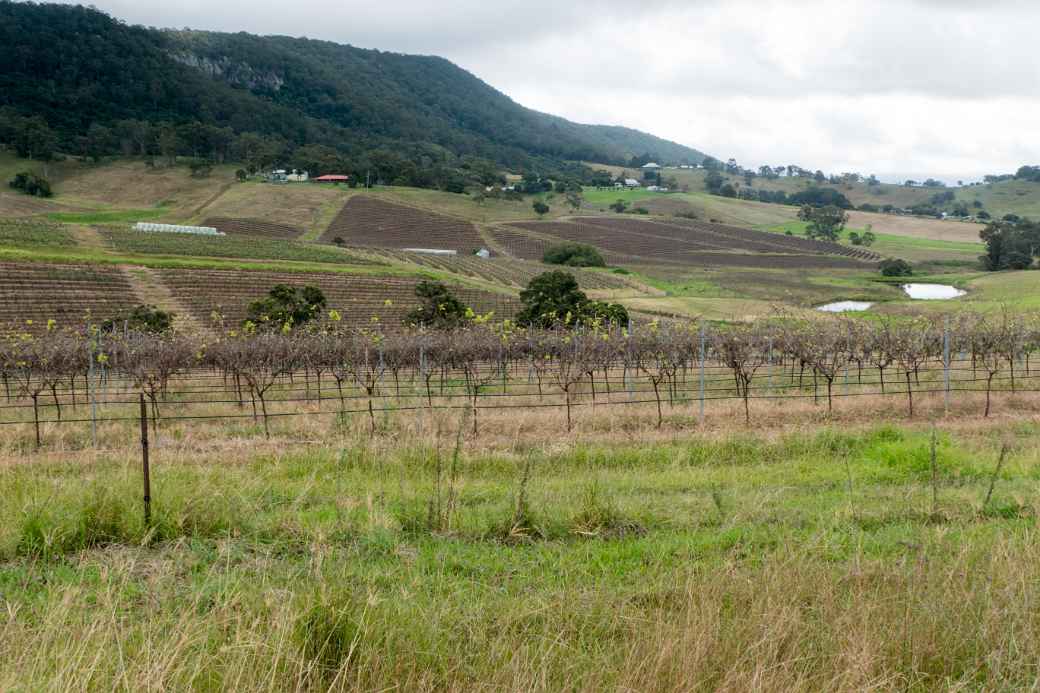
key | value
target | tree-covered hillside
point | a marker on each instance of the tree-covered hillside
(103, 87)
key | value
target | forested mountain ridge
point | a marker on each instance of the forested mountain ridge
(75, 67)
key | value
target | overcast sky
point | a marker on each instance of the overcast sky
(900, 88)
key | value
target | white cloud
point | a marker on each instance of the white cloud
(900, 88)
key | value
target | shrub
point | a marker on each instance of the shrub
(141, 319)
(553, 298)
(866, 239)
(287, 306)
(438, 308)
(540, 208)
(573, 255)
(894, 267)
(31, 184)
(620, 206)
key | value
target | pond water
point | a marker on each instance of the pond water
(932, 292)
(844, 306)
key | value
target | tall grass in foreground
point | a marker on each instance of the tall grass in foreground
(880, 559)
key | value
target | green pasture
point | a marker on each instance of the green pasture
(555, 567)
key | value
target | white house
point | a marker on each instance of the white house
(651, 166)
(297, 176)
(631, 183)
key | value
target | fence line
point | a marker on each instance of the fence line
(517, 394)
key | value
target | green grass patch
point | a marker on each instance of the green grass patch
(604, 198)
(911, 248)
(110, 216)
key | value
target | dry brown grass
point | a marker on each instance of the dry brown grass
(19, 205)
(302, 206)
(914, 227)
(132, 185)
(511, 428)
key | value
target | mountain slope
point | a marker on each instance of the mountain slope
(75, 67)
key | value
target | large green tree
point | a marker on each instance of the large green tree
(824, 223)
(287, 306)
(553, 298)
(1010, 245)
(438, 307)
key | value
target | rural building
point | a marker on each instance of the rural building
(631, 183)
(297, 176)
(651, 166)
(332, 178)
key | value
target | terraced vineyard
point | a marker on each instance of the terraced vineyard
(693, 243)
(359, 298)
(529, 244)
(253, 227)
(507, 271)
(33, 233)
(228, 247)
(369, 221)
(777, 241)
(38, 292)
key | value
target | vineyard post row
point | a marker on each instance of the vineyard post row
(480, 355)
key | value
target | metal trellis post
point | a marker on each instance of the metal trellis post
(946, 366)
(92, 391)
(702, 356)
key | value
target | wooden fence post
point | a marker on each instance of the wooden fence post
(145, 463)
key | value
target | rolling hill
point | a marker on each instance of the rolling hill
(291, 91)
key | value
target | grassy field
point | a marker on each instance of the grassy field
(133, 185)
(1012, 196)
(914, 248)
(304, 206)
(914, 227)
(618, 559)
(753, 293)
(107, 216)
(1005, 197)
(987, 292)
